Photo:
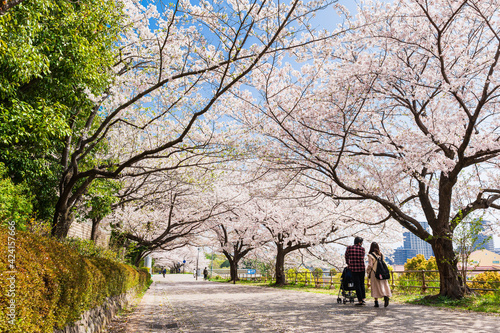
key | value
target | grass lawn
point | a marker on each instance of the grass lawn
(476, 303)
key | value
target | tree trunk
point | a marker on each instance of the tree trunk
(63, 216)
(62, 221)
(233, 268)
(280, 266)
(95, 227)
(138, 258)
(233, 265)
(450, 281)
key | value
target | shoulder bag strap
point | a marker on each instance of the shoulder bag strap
(375, 262)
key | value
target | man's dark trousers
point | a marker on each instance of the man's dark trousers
(358, 278)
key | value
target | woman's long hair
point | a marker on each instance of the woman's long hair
(374, 249)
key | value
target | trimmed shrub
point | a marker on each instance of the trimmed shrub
(291, 275)
(301, 275)
(419, 263)
(54, 284)
(304, 276)
(487, 280)
(317, 273)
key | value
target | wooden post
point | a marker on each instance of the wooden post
(424, 287)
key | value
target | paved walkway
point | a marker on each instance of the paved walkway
(179, 303)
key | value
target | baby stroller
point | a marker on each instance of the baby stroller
(346, 287)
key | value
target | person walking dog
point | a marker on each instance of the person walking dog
(355, 259)
(379, 288)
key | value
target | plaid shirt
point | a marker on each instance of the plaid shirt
(355, 258)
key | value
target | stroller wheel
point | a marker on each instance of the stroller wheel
(345, 301)
(339, 300)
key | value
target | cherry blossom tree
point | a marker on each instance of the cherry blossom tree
(401, 111)
(237, 232)
(236, 241)
(274, 211)
(165, 213)
(183, 258)
(173, 63)
(296, 218)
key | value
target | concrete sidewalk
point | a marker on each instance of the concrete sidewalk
(179, 303)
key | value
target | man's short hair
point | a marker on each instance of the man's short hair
(358, 240)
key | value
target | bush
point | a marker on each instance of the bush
(15, 202)
(318, 273)
(291, 275)
(54, 284)
(301, 275)
(88, 248)
(419, 263)
(304, 275)
(487, 280)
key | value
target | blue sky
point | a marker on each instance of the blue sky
(329, 18)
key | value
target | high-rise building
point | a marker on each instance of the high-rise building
(412, 246)
(488, 245)
(481, 238)
(401, 255)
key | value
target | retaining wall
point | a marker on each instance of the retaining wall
(96, 319)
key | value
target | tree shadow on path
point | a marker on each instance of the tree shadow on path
(223, 307)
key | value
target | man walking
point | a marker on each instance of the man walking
(355, 259)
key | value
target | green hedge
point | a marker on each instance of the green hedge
(54, 284)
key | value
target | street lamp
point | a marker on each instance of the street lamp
(197, 259)
(212, 263)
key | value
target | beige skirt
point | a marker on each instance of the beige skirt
(379, 288)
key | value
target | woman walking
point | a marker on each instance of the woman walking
(379, 288)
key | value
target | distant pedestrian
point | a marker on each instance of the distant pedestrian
(355, 259)
(379, 288)
(205, 274)
(164, 271)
